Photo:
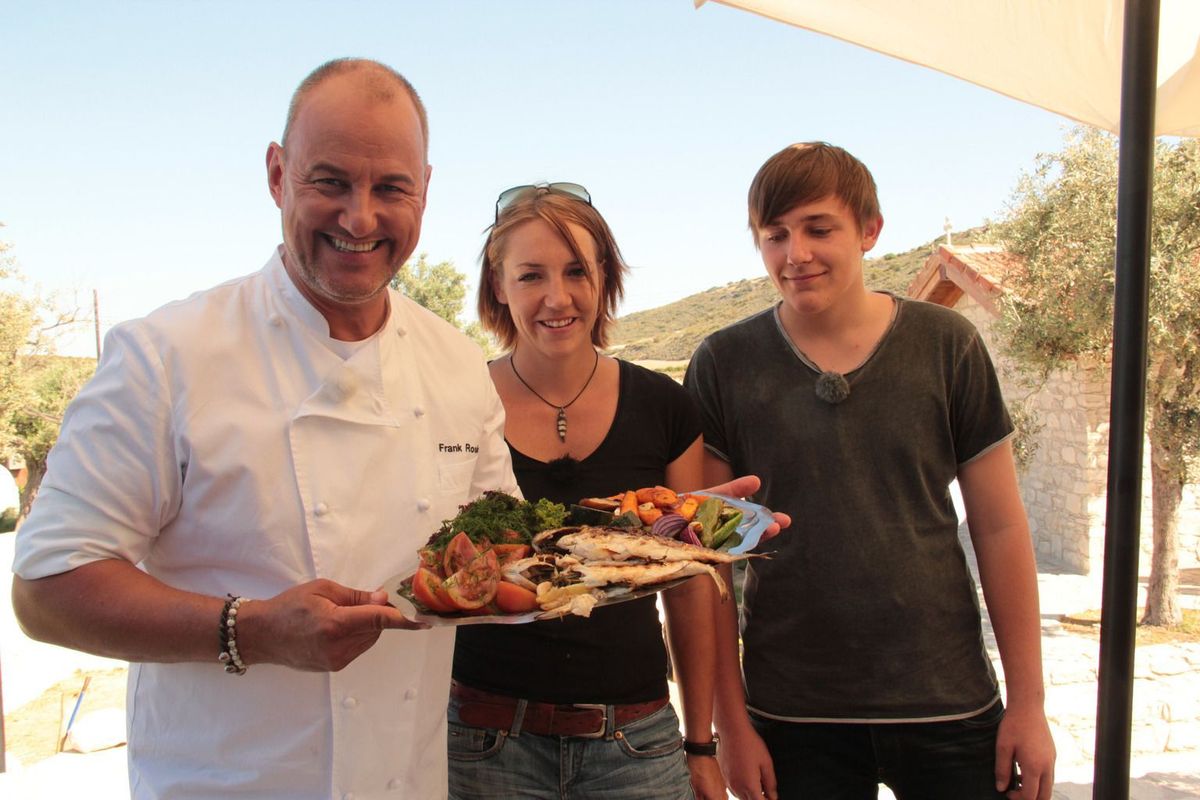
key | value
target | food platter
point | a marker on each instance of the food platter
(755, 521)
(475, 570)
(400, 597)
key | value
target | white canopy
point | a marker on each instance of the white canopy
(1060, 55)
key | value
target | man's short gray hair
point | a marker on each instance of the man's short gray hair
(381, 80)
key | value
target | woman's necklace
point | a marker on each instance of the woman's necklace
(561, 422)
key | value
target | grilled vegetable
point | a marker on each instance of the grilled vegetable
(726, 529)
(707, 515)
(648, 513)
(687, 509)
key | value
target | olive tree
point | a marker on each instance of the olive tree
(35, 386)
(1062, 221)
(442, 289)
(54, 381)
(439, 287)
(18, 318)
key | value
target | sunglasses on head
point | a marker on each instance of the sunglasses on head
(508, 196)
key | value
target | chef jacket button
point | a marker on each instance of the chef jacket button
(394, 784)
(401, 332)
(320, 509)
(422, 505)
(346, 383)
(410, 694)
(275, 321)
(349, 702)
(418, 412)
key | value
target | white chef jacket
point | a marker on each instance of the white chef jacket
(225, 446)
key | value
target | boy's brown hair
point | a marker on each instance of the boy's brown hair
(558, 209)
(807, 172)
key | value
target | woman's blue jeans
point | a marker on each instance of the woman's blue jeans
(642, 761)
(918, 761)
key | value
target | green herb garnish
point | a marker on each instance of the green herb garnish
(494, 513)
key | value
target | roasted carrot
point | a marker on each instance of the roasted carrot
(648, 512)
(687, 509)
(628, 503)
(664, 497)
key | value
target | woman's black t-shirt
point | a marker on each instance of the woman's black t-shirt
(617, 654)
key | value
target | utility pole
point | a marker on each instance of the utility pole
(96, 319)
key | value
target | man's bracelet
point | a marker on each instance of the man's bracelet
(228, 629)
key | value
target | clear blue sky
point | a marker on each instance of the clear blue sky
(134, 133)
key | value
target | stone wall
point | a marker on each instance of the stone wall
(1165, 711)
(1065, 485)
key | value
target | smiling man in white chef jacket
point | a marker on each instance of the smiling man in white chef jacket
(249, 464)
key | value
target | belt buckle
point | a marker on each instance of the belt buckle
(603, 709)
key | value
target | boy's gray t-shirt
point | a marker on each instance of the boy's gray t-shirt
(866, 609)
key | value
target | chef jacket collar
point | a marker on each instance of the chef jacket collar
(299, 306)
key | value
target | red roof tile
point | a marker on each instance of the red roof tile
(976, 270)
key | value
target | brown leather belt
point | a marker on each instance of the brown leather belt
(480, 709)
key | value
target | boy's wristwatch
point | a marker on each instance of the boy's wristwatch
(701, 748)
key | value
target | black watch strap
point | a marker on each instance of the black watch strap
(701, 748)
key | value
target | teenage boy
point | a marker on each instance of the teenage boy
(864, 657)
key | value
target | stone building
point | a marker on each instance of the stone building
(1064, 485)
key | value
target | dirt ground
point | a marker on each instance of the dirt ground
(1088, 623)
(31, 732)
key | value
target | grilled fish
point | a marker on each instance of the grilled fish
(615, 544)
(636, 574)
(529, 572)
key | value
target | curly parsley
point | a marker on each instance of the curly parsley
(496, 513)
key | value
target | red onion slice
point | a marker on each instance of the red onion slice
(688, 534)
(668, 525)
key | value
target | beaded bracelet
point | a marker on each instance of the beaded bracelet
(228, 631)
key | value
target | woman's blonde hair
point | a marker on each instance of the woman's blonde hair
(559, 210)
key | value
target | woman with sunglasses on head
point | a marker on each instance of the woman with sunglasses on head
(578, 707)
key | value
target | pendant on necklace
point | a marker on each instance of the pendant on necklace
(561, 420)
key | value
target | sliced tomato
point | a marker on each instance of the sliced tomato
(427, 589)
(513, 599)
(475, 584)
(509, 536)
(459, 552)
(485, 610)
(431, 559)
(507, 553)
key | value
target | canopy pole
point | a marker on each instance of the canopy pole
(1122, 539)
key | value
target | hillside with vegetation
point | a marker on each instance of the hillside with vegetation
(672, 332)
